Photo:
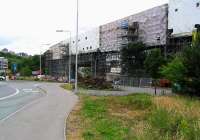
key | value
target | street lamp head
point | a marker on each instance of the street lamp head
(59, 30)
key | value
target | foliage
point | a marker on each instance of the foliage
(33, 62)
(132, 59)
(94, 83)
(185, 71)
(174, 70)
(86, 71)
(191, 57)
(26, 71)
(153, 63)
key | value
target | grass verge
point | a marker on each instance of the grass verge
(67, 86)
(135, 117)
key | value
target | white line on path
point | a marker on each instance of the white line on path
(22, 108)
(17, 92)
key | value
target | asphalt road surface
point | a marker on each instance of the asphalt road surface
(5, 90)
(33, 114)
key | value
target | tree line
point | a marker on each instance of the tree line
(24, 65)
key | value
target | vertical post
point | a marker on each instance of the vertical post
(76, 69)
(40, 63)
(70, 59)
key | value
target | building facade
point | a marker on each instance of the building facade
(178, 11)
(149, 27)
(161, 27)
(3, 65)
(87, 42)
(183, 16)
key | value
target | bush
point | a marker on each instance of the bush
(94, 83)
(185, 71)
(174, 71)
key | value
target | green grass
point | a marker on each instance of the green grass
(136, 117)
(67, 86)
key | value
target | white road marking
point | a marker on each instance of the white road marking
(17, 92)
(22, 108)
(30, 91)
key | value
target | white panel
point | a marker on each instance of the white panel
(88, 42)
(183, 20)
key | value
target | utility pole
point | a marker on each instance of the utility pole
(76, 67)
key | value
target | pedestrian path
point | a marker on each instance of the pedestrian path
(43, 119)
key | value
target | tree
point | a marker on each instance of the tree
(153, 63)
(33, 62)
(26, 71)
(132, 59)
(184, 70)
(191, 57)
(174, 70)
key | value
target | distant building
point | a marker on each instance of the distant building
(182, 17)
(11, 52)
(22, 54)
(3, 64)
(168, 27)
(5, 50)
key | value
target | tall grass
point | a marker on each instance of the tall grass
(140, 117)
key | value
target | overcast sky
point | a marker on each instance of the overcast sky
(27, 24)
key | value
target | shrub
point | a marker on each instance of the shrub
(174, 71)
(94, 83)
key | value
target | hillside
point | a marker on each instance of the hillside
(30, 63)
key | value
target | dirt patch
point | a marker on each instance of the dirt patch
(74, 129)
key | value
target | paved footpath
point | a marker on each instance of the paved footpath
(43, 119)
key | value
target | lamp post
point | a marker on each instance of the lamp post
(76, 69)
(69, 64)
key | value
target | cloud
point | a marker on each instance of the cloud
(34, 22)
(5, 40)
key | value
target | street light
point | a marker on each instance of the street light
(67, 31)
(76, 71)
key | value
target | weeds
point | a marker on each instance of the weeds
(139, 117)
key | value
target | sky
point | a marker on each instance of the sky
(30, 25)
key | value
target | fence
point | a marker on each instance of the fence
(133, 82)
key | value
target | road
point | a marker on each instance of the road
(5, 90)
(34, 115)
